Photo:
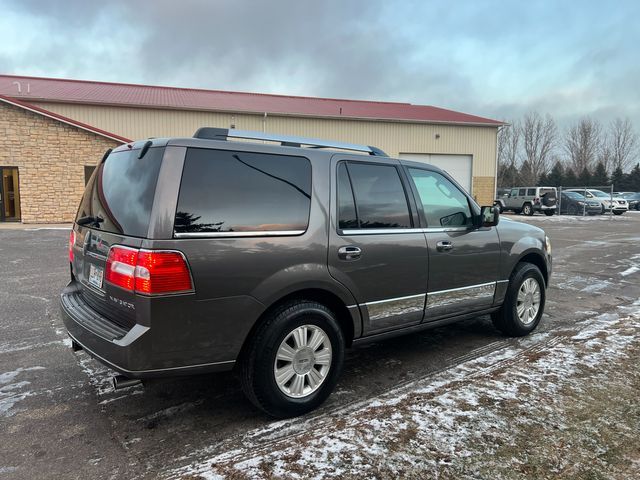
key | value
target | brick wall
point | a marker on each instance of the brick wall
(484, 190)
(50, 156)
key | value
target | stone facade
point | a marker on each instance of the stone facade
(50, 156)
(484, 190)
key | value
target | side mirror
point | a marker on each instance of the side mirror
(489, 216)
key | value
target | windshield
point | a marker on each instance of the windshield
(121, 192)
(600, 193)
(574, 195)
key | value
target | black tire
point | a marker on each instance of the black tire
(527, 209)
(602, 209)
(257, 364)
(549, 213)
(618, 212)
(572, 210)
(506, 319)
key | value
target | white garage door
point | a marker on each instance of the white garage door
(458, 166)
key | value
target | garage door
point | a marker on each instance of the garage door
(458, 166)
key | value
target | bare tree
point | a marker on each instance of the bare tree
(538, 141)
(582, 144)
(623, 143)
(508, 151)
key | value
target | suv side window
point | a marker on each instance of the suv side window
(443, 203)
(227, 191)
(514, 192)
(380, 199)
(531, 192)
(522, 192)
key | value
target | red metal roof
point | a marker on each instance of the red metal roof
(61, 118)
(122, 94)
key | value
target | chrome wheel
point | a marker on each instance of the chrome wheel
(303, 361)
(528, 303)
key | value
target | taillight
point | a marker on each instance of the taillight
(72, 242)
(148, 272)
(121, 267)
(536, 200)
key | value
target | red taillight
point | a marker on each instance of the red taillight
(148, 272)
(72, 242)
(121, 267)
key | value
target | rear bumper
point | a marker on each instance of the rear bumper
(128, 352)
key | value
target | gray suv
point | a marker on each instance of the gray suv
(193, 255)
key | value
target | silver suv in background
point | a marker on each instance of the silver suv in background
(528, 200)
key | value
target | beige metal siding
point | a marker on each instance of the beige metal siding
(392, 137)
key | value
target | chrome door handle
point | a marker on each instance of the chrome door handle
(349, 252)
(444, 246)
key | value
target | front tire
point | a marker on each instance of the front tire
(294, 360)
(618, 212)
(524, 302)
(549, 213)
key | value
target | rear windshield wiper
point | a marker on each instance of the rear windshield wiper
(89, 220)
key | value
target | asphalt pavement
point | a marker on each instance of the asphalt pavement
(60, 418)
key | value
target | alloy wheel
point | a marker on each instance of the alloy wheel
(303, 361)
(528, 302)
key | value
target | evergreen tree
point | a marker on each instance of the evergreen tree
(584, 179)
(569, 178)
(543, 180)
(634, 179)
(509, 176)
(556, 175)
(618, 180)
(600, 177)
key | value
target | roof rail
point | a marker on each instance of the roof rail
(212, 133)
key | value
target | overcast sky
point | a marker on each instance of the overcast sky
(491, 58)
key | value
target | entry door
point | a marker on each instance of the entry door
(463, 260)
(375, 249)
(9, 194)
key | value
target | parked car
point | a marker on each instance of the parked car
(193, 255)
(574, 203)
(607, 202)
(633, 200)
(531, 199)
(501, 193)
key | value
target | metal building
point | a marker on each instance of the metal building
(462, 144)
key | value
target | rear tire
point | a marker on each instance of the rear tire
(527, 209)
(618, 212)
(549, 213)
(516, 317)
(292, 331)
(572, 210)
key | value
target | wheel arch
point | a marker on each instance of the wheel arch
(536, 258)
(349, 324)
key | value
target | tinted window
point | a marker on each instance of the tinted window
(347, 217)
(226, 191)
(521, 192)
(122, 192)
(514, 192)
(531, 192)
(379, 196)
(443, 203)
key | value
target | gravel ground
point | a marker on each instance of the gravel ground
(454, 402)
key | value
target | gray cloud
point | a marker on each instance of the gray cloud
(493, 58)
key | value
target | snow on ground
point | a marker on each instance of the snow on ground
(12, 391)
(506, 414)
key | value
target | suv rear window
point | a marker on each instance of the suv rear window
(531, 192)
(121, 192)
(231, 191)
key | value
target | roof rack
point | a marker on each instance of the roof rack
(212, 133)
